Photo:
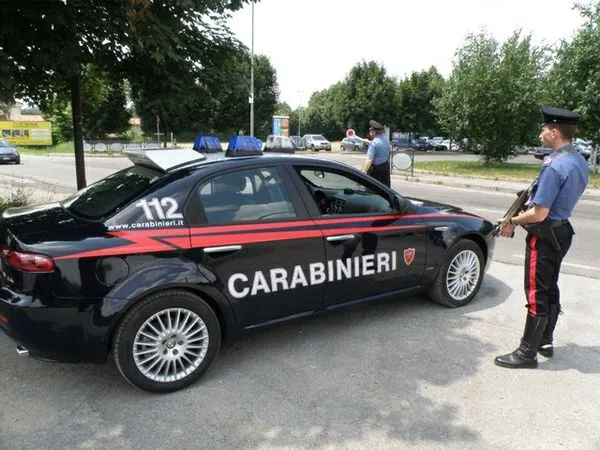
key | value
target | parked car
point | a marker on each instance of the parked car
(520, 150)
(316, 142)
(401, 140)
(8, 153)
(354, 143)
(420, 144)
(157, 263)
(541, 152)
(450, 145)
(297, 140)
(279, 144)
(437, 143)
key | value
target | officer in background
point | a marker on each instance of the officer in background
(562, 180)
(377, 163)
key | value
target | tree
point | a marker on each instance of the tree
(574, 80)
(104, 104)
(493, 94)
(415, 102)
(369, 93)
(44, 45)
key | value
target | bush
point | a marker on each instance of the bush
(19, 195)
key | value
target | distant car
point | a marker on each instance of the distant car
(279, 144)
(450, 145)
(8, 153)
(316, 142)
(420, 144)
(354, 143)
(437, 143)
(520, 150)
(297, 140)
(541, 152)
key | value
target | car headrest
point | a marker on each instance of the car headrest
(230, 183)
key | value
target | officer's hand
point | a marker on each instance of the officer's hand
(366, 141)
(507, 230)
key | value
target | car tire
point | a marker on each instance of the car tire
(18, 161)
(459, 277)
(312, 147)
(164, 318)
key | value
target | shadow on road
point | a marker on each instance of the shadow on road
(350, 378)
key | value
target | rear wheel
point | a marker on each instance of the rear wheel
(460, 275)
(167, 341)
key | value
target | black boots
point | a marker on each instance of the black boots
(526, 355)
(545, 348)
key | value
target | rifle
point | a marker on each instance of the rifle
(541, 229)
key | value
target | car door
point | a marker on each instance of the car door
(370, 248)
(252, 234)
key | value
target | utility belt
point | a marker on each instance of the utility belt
(559, 223)
(545, 230)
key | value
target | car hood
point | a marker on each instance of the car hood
(7, 151)
(429, 207)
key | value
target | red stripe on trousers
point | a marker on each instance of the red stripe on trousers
(532, 269)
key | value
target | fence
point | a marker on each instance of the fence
(116, 147)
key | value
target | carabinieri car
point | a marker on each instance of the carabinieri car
(157, 263)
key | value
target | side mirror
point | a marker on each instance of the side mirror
(399, 203)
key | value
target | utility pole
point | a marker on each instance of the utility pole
(251, 99)
(299, 112)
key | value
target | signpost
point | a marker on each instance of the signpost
(158, 133)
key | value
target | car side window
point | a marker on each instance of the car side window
(246, 195)
(338, 193)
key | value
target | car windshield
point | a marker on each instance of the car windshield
(318, 137)
(109, 194)
(4, 143)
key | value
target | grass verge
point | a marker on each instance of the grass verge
(492, 171)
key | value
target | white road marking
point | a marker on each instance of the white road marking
(578, 266)
(489, 210)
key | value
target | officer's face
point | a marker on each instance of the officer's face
(547, 136)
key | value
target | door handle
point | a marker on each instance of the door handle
(223, 249)
(443, 228)
(341, 237)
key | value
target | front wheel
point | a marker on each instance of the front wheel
(460, 275)
(167, 341)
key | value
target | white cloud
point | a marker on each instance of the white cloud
(314, 43)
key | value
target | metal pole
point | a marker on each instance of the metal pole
(252, 77)
(299, 112)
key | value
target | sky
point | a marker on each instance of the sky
(314, 43)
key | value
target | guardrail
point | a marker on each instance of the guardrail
(116, 147)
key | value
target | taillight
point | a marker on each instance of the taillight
(28, 262)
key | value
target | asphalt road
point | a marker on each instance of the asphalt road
(399, 374)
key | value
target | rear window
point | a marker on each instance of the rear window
(106, 196)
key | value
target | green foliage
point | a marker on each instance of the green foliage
(574, 81)
(18, 195)
(58, 111)
(415, 96)
(368, 93)
(494, 94)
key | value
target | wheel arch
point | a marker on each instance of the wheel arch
(224, 315)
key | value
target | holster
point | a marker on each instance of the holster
(544, 230)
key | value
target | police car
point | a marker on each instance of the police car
(157, 263)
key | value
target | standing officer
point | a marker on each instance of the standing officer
(377, 163)
(562, 180)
